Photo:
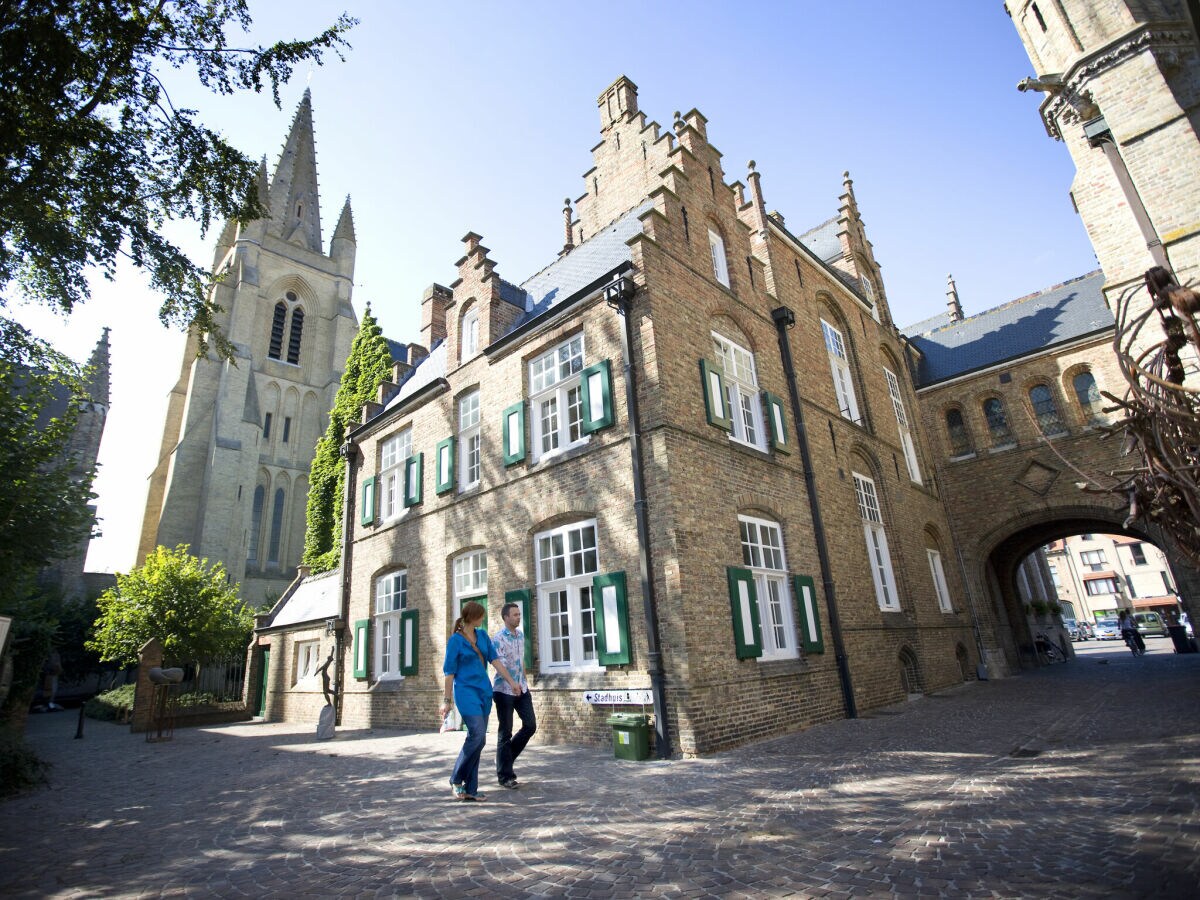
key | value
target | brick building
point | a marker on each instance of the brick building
(507, 465)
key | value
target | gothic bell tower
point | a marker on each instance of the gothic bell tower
(239, 437)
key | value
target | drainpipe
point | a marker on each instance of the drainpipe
(348, 452)
(619, 295)
(785, 319)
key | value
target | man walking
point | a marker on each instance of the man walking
(510, 646)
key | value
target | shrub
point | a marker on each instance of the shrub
(111, 706)
(20, 767)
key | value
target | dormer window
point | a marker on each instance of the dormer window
(469, 335)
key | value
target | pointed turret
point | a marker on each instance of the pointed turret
(98, 372)
(294, 200)
(343, 246)
(953, 307)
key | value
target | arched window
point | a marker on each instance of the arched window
(956, 430)
(468, 335)
(1088, 396)
(276, 527)
(839, 366)
(910, 672)
(256, 514)
(276, 347)
(879, 556)
(997, 420)
(1045, 409)
(716, 246)
(294, 339)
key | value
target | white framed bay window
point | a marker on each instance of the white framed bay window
(556, 399)
(879, 556)
(567, 561)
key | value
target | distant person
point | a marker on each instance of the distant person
(48, 688)
(468, 652)
(510, 644)
(1129, 632)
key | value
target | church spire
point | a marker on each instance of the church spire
(98, 371)
(345, 224)
(294, 201)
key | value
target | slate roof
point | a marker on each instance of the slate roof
(823, 240)
(1056, 315)
(593, 259)
(316, 597)
(398, 350)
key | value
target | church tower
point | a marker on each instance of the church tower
(232, 475)
(1122, 91)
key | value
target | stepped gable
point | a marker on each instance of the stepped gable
(1057, 315)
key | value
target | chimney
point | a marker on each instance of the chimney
(433, 314)
(618, 103)
(953, 307)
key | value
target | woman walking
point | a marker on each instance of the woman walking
(468, 652)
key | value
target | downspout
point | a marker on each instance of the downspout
(619, 295)
(785, 319)
(348, 452)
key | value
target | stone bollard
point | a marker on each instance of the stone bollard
(149, 657)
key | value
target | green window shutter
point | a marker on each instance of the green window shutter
(809, 614)
(713, 383)
(773, 406)
(743, 603)
(413, 467)
(612, 619)
(410, 641)
(367, 510)
(362, 647)
(514, 434)
(482, 601)
(445, 466)
(597, 397)
(524, 598)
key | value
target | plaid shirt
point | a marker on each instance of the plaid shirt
(510, 650)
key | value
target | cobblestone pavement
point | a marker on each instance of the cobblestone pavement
(1079, 780)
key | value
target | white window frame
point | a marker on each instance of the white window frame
(565, 565)
(878, 555)
(392, 455)
(906, 440)
(470, 442)
(763, 555)
(556, 411)
(742, 397)
(470, 577)
(720, 263)
(308, 660)
(940, 588)
(468, 338)
(839, 367)
(390, 600)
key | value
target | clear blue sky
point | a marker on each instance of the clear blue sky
(468, 116)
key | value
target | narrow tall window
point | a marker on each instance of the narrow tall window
(956, 430)
(393, 454)
(839, 366)
(267, 427)
(716, 246)
(276, 527)
(906, 441)
(762, 554)
(469, 441)
(1089, 397)
(256, 515)
(877, 544)
(741, 392)
(556, 399)
(276, 346)
(1138, 554)
(997, 420)
(287, 428)
(1045, 409)
(468, 341)
(294, 338)
(470, 579)
(567, 560)
(938, 574)
(391, 598)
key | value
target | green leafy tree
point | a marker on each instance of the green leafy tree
(187, 604)
(369, 365)
(43, 493)
(94, 156)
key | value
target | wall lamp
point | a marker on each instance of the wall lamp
(619, 293)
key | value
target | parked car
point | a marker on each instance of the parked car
(1072, 629)
(1107, 630)
(1150, 624)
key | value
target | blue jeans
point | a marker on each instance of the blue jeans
(508, 748)
(466, 767)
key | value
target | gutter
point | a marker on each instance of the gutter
(785, 319)
(619, 295)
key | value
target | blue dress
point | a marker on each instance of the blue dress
(472, 687)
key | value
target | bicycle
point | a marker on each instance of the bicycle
(1134, 642)
(1049, 649)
